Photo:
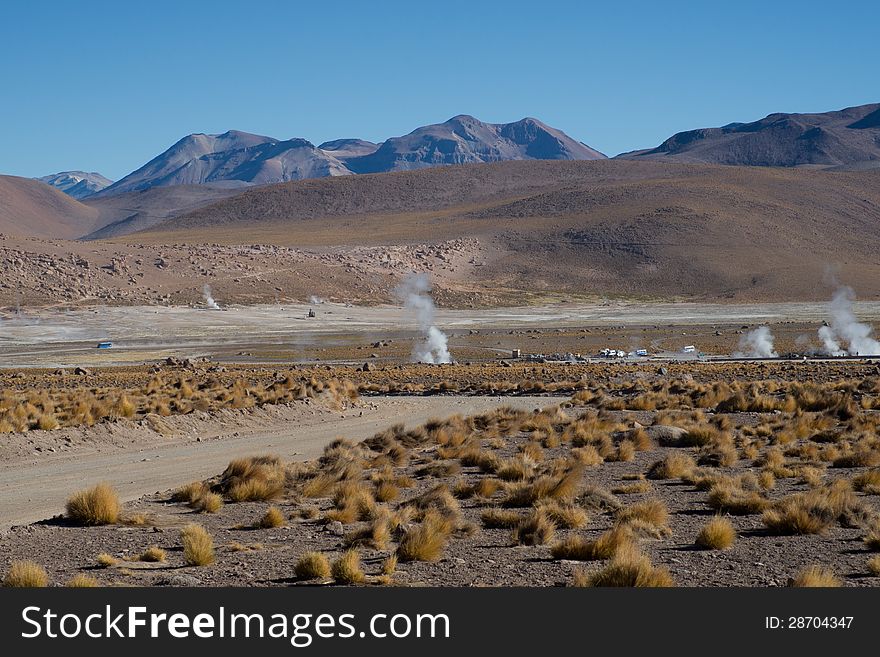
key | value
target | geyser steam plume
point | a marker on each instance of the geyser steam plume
(414, 293)
(757, 343)
(844, 329)
(209, 300)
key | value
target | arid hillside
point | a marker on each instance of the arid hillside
(31, 207)
(501, 234)
(619, 228)
(846, 138)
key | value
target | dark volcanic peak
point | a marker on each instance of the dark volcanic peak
(232, 156)
(78, 184)
(839, 138)
(464, 139)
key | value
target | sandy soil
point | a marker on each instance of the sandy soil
(46, 338)
(39, 469)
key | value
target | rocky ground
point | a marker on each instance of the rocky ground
(37, 272)
(779, 442)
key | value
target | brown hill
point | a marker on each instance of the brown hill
(844, 138)
(121, 214)
(620, 227)
(33, 208)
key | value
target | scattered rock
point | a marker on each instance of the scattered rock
(181, 579)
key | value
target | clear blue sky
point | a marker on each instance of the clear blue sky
(106, 86)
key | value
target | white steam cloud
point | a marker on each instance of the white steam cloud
(209, 300)
(414, 293)
(757, 343)
(316, 300)
(845, 335)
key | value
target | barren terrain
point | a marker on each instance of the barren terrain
(628, 471)
(139, 459)
(489, 235)
(385, 334)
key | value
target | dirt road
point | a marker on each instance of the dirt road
(35, 491)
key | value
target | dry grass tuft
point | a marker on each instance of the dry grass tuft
(425, 541)
(254, 479)
(717, 534)
(312, 565)
(587, 455)
(673, 466)
(376, 535)
(816, 510)
(98, 505)
(728, 497)
(386, 491)
(198, 546)
(868, 482)
(271, 519)
(565, 516)
(82, 581)
(630, 568)
(578, 548)
(535, 529)
(581, 578)
(874, 565)
(255, 490)
(515, 469)
(652, 512)
(563, 487)
(347, 568)
(153, 554)
(487, 487)
(389, 565)
(190, 493)
(815, 577)
(353, 501)
(105, 560)
(25, 574)
(321, 485)
(208, 503)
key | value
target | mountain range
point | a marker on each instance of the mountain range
(241, 159)
(848, 138)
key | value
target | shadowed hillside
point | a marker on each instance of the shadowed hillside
(844, 138)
